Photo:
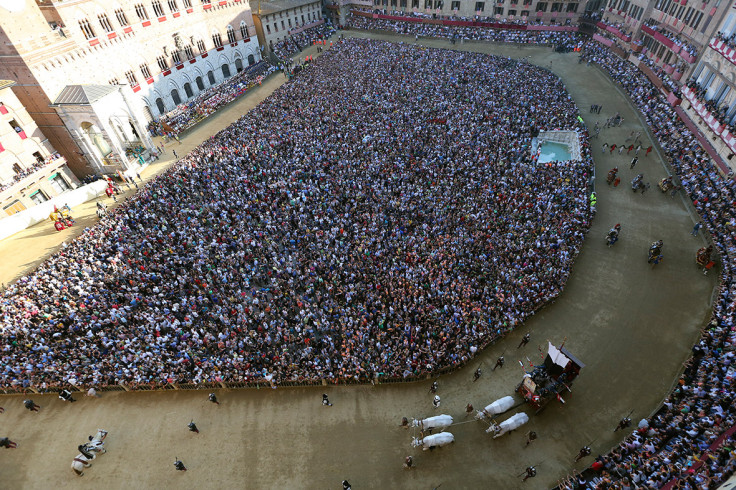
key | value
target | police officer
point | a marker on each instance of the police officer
(179, 465)
(623, 424)
(499, 363)
(433, 388)
(213, 399)
(84, 450)
(531, 472)
(524, 340)
(325, 400)
(193, 427)
(66, 395)
(30, 405)
(531, 436)
(584, 451)
(476, 374)
(436, 401)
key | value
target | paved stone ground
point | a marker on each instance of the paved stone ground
(631, 324)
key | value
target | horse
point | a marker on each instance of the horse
(496, 408)
(81, 462)
(433, 441)
(702, 258)
(437, 422)
(512, 423)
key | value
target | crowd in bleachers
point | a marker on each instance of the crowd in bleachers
(30, 170)
(294, 43)
(210, 100)
(465, 33)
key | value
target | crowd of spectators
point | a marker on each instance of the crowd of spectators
(294, 43)
(671, 84)
(687, 46)
(466, 33)
(730, 40)
(696, 417)
(30, 170)
(210, 100)
(348, 227)
(719, 111)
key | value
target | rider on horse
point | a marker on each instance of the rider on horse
(612, 236)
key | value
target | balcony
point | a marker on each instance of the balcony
(614, 30)
(719, 128)
(672, 44)
(30, 176)
(722, 47)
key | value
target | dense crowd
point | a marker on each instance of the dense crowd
(684, 45)
(294, 43)
(730, 40)
(670, 445)
(213, 98)
(465, 33)
(22, 174)
(347, 227)
(719, 110)
(671, 84)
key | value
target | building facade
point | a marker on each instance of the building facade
(277, 20)
(670, 33)
(709, 95)
(548, 12)
(164, 51)
(31, 171)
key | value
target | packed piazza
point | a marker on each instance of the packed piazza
(323, 286)
(320, 237)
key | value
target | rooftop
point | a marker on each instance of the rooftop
(6, 84)
(266, 8)
(83, 94)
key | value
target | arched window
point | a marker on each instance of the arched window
(200, 83)
(175, 97)
(230, 34)
(251, 59)
(244, 30)
(188, 90)
(217, 39)
(211, 77)
(238, 65)
(160, 106)
(225, 70)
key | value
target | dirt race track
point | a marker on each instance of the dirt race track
(632, 325)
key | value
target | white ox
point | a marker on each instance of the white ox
(496, 408)
(81, 462)
(95, 445)
(433, 441)
(438, 422)
(513, 422)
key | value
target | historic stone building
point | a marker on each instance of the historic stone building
(31, 171)
(671, 33)
(549, 12)
(275, 20)
(709, 97)
(72, 59)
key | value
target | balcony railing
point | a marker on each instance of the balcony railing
(53, 164)
(721, 130)
(722, 47)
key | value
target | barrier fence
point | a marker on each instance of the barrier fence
(259, 383)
